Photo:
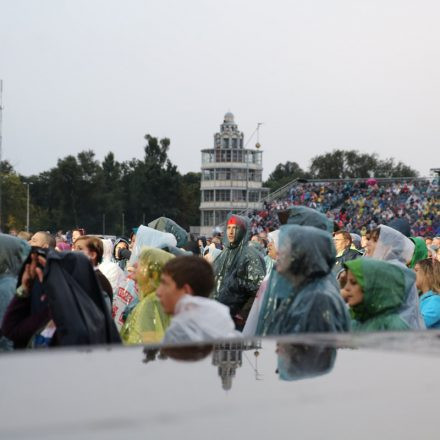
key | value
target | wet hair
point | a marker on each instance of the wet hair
(373, 234)
(191, 270)
(345, 234)
(431, 271)
(94, 244)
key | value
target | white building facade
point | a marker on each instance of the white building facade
(231, 177)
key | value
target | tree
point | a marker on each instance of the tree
(283, 174)
(342, 164)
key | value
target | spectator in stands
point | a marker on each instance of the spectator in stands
(345, 250)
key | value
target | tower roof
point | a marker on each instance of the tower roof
(229, 118)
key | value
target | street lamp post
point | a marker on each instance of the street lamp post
(27, 207)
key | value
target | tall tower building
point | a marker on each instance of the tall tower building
(231, 177)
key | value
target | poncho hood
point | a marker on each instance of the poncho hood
(304, 216)
(165, 224)
(311, 250)
(383, 286)
(420, 251)
(13, 253)
(393, 245)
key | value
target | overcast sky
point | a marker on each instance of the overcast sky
(320, 74)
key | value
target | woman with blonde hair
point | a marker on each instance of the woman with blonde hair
(428, 284)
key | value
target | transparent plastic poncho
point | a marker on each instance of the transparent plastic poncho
(148, 321)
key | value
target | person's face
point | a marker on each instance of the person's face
(283, 259)
(428, 241)
(420, 278)
(352, 291)
(231, 230)
(75, 236)
(120, 245)
(370, 247)
(168, 293)
(340, 242)
(363, 241)
(80, 246)
(38, 240)
(254, 238)
(272, 250)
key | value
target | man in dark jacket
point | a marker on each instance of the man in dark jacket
(239, 270)
(345, 250)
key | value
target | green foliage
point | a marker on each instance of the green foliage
(283, 174)
(342, 164)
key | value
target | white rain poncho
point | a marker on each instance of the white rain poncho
(149, 237)
(394, 247)
(110, 269)
(199, 319)
(250, 327)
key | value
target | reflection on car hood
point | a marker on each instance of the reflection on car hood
(237, 388)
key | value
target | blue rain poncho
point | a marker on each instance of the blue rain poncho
(13, 253)
(306, 258)
(394, 247)
(239, 271)
(278, 287)
(300, 361)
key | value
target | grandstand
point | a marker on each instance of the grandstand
(358, 204)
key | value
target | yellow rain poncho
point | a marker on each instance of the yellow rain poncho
(148, 321)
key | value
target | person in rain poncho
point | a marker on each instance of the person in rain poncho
(110, 269)
(128, 296)
(148, 321)
(375, 291)
(272, 251)
(121, 252)
(306, 257)
(278, 287)
(239, 270)
(388, 244)
(165, 224)
(420, 251)
(428, 284)
(13, 253)
(186, 282)
(70, 309)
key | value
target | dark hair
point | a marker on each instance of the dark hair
(191, 270)
(345, 234)
(373, 234)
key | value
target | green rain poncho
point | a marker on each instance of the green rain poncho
(420, 251)
(383, 286)
(306, 257)
(239, 271)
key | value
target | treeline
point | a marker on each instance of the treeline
(339, 164)
(111, 197)
(103, 197)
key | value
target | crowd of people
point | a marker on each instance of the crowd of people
(358, 206)
(308, 271)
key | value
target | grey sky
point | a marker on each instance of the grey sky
(319, 74)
